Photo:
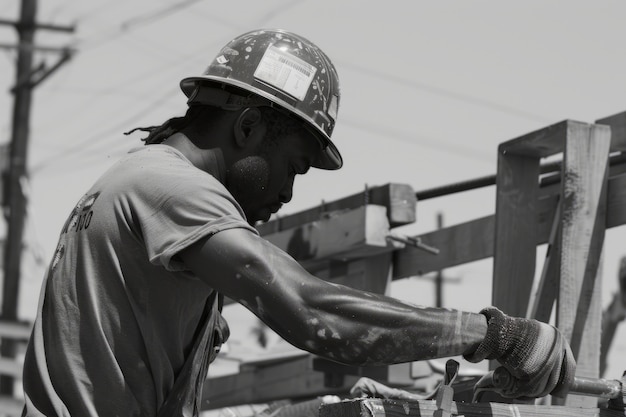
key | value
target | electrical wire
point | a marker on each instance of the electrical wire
(108, 5)
(95, 141)
(133, 23)
(465, 98)
(121, 87)
(58, 9)
(156, 15)
(88, 145)
(130, 25)
(386, 132)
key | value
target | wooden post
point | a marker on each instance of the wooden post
(584, 185)
(516, 233)
(577, 234)
(612, 316)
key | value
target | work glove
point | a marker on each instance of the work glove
(535, 353)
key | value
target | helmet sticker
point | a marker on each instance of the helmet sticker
(286, 72)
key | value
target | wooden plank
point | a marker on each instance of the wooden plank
(517, 190)
(11, 367)
(542, 304)
(341, 236)
(399, 199)
(292, 378)
(458, 244)
(617, 122)
(616, 203)
(15, 330)
(473, 240)
(372, 273)
(375, 407)
(582, 237)
(613, 315)
(540, 143)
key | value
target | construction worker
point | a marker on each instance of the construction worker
(129, 315)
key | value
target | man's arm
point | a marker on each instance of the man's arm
(327, 319)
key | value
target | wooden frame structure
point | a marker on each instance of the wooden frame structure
(347, 241)
(568, 210)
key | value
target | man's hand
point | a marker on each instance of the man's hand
(220, 336)
(535, 353)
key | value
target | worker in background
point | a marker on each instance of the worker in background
(129, 315)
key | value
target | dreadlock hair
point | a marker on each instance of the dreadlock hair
(157, 134)
(279, 124)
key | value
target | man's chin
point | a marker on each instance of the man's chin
(262, 216)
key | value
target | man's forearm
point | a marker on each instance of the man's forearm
(370, 329)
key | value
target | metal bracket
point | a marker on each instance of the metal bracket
(445, 393)
(413, 241)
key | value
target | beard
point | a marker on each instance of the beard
(248, 181)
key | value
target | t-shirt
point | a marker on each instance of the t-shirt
(119, 314)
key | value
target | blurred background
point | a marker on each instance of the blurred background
(429, 90)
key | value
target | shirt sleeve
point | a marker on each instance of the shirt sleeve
(184, 209)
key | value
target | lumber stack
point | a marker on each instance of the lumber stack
(376, 407)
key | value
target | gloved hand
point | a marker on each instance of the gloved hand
(535, 353)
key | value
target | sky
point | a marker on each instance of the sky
(429, 91)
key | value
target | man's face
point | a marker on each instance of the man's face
(263, 181)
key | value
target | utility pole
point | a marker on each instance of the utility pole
(14, 198)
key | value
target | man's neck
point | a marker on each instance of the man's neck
(209, 160)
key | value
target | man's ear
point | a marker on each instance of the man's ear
(247, 126)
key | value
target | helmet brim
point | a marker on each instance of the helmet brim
(328, 158)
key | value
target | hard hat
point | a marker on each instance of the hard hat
(285, 70)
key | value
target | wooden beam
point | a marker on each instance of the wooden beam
(540, 143)
(613, 315)
(19, 331)
(340, 236)
(11, 367)
(617, 122)
(542, 304)
(515, 249)
(256, 384)
(473, 240)
(399, 199)
(583, 225)
(371, 273)
(375, 407)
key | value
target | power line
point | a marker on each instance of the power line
(94, 141)
(386, 132)
(105, 5)
(455, 95)
(131, 24)
(271, 14)
(89, 144)
(156, 15)
(59, 7)
(143, 76)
